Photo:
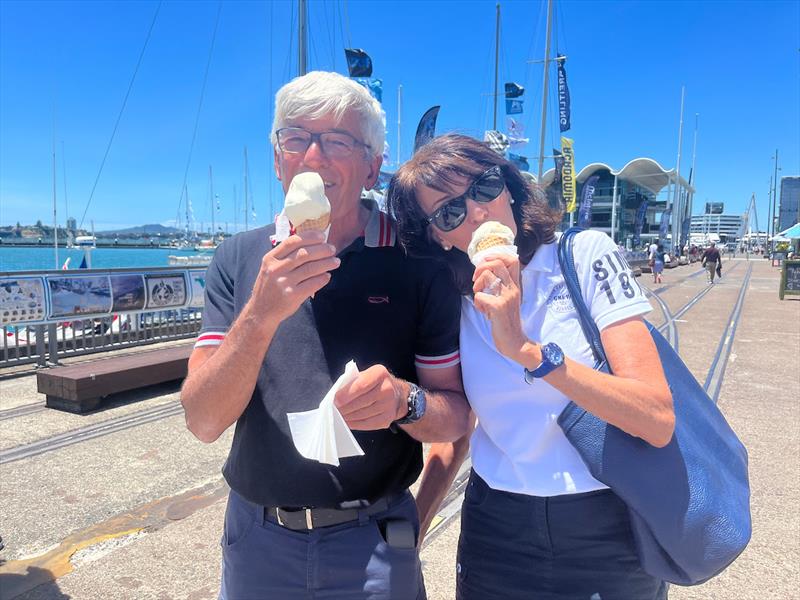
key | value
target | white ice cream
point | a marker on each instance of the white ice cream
(306, 200)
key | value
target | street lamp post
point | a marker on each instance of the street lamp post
(774, 195)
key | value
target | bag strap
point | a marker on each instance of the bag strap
(566, 259)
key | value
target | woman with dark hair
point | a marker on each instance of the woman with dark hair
(534, 523)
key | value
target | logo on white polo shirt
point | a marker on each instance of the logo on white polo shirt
(560, 300)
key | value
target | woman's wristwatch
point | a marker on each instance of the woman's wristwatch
(552, 358)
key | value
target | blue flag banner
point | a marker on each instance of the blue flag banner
(637, 228)
(426, 128)
(664, 226)
(587, 196)
(513, 107)
(514, 90)
(521, 162)
(374, 86)
(563, 96)
(359, 64)
(685, 231)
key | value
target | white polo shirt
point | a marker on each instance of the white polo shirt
(518, 445)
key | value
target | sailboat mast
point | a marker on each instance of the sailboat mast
(55, 219)
(544, 88)
(186, 193)
(496, 62)
(692, 174)
(211, 193)
(302, 66)
(66, 203)
(245, 189)
(676, 195)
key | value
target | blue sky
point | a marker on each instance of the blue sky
(70, 63)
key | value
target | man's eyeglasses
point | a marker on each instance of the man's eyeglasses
(334, 144)
(485, 188)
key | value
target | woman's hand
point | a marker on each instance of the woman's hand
(501, 274)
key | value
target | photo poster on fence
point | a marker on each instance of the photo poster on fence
(197, 279)
(165, 290)
(79, 296)
(22, 300)
(128, 292)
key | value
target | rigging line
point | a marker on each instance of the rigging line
(331, 33)
(341, 27)
(347, 24)
(287, 66)
(64, 179)
(313, 45)
(119, 116)
(326, 25)
(200, 104)
(271, 112)
(536, 90)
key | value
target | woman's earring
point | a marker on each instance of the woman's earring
(512, 200)
(446, 247)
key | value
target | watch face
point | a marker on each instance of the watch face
(553, 354)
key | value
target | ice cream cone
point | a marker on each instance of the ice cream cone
(489, 235)
(320, 224)
(490, 242)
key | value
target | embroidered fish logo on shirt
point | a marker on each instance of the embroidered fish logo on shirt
(378, 299)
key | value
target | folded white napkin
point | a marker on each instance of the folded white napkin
(322, 434)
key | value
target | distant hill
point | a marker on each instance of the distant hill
(142, 230)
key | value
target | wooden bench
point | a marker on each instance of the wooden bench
(80, 388)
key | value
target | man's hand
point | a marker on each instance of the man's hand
(292, 272)
(374, 400)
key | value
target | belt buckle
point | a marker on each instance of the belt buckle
(307, 511)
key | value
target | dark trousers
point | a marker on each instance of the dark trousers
(578, 546)
(262, 560)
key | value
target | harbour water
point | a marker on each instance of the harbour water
(41, 258)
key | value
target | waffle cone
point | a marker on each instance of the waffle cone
(320, 224)
(490, 241)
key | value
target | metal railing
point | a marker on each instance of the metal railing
(48, 343)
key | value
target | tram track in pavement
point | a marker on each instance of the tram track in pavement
(21, 411)
(90, 432)
(451, 505)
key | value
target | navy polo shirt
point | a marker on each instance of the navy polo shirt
(380, 307)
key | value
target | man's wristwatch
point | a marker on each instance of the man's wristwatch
(552, 358)
(416, 405)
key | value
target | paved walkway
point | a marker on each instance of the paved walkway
(136, 513)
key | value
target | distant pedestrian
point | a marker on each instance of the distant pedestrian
(658, 257)
(711, 259)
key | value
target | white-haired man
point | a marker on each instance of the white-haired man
(279, 325)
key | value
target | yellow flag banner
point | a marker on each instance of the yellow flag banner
(568, 174)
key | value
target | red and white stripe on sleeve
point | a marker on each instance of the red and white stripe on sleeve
(437, 362)
(209, 338)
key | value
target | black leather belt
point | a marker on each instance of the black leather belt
(304, 519)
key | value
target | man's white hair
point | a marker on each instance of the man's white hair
(320, 94)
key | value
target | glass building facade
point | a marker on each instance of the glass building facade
(789, 212)
(633, 216)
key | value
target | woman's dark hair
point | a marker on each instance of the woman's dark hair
(443, 164)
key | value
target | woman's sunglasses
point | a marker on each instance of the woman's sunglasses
(485, 188)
